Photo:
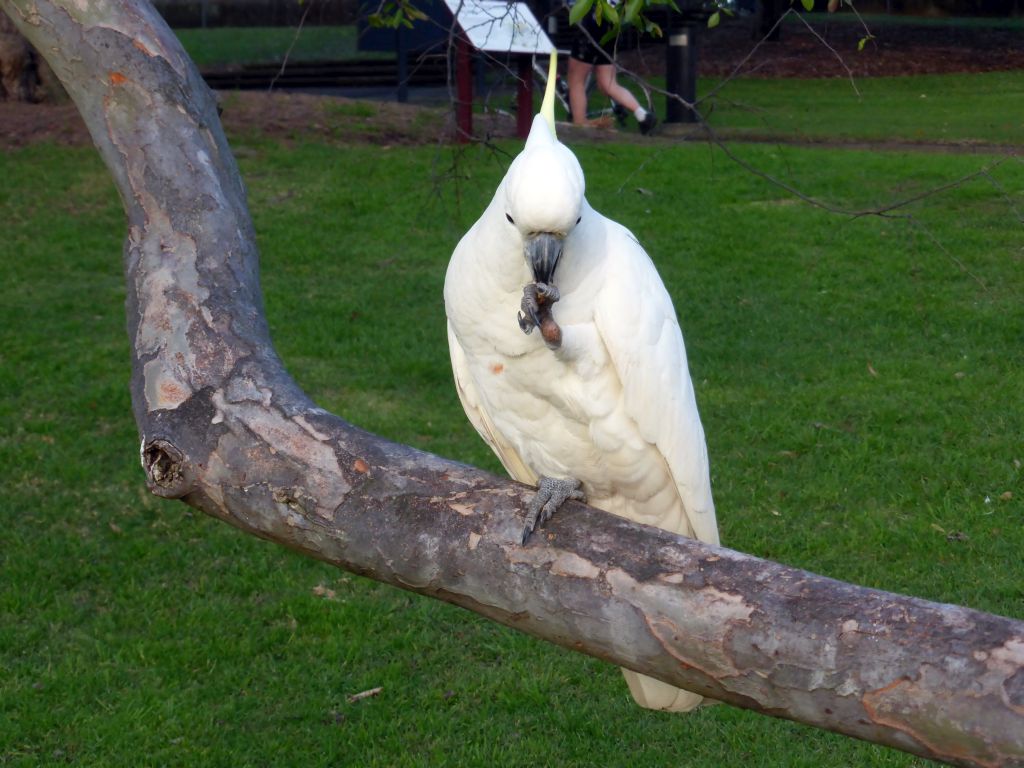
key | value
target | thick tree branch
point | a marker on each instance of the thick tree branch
(225, 429)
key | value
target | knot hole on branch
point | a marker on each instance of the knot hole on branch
(165, 468)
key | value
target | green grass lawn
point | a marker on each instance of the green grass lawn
(221, 46)
(859, 382)
(936, 108)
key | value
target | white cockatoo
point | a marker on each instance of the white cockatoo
(600, 402)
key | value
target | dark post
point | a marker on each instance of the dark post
(464, 91)
(768, 28)
(479, 71)
(681, 71)
(524, 101)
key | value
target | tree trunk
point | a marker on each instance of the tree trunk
(224, 428)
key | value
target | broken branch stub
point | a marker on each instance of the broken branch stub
(223, 427)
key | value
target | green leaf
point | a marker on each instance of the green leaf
(808, 5)
(863, 42)
(610, 14)
(396, 13)
(579, 10)
(632, 9)
(713, 19)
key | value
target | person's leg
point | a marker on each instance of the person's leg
(608, 85)
(577, 78)
(605, 76)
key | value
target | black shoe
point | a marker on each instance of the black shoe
(648, 123)
(621, 114)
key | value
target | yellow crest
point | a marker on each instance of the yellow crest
(547, 106)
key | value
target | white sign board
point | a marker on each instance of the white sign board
(499, 26)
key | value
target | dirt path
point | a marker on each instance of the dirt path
(895, 50)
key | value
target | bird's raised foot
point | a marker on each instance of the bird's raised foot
(536, 312)
(537, 297)
(551, 494)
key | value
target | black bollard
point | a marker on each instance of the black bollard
(681, 71)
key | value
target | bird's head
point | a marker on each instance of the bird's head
(543, 198)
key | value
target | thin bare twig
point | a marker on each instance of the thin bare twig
(295, 39)
(839, 58)
(984, 171)
(353, 698)
(1002, 190)
(736, 70)
(938, 244)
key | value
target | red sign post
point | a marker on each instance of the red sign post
(498, 27)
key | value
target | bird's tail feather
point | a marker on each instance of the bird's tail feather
(654, 694)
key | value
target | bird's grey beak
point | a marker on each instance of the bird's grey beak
(542, 254)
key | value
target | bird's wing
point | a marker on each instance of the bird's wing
(637, 322)
(479, 418)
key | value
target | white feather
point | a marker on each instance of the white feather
(614, 406)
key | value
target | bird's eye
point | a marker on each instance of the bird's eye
(579, 219)
(509, 217)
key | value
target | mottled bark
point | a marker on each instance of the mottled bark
(225, 429)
